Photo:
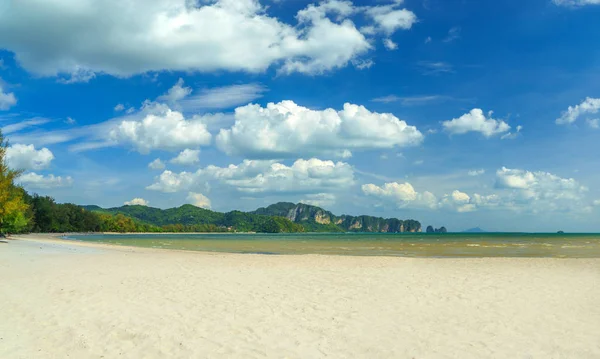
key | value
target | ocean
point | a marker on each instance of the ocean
(449, 245)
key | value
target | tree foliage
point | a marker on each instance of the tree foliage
(12, 205)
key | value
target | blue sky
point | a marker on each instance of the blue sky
(455, 113)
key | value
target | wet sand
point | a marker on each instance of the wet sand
(65, 299)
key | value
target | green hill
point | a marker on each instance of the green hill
(189, 218)
(279, 217)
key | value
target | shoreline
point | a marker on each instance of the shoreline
(66, 298)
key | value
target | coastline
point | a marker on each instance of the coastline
(80, 299)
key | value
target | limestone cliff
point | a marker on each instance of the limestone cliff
(314, 218)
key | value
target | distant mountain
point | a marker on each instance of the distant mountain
(279, 217)
(316, 219)
(474, 230)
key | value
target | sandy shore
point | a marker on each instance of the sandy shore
(62, 299)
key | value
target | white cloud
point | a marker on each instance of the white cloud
(26, 157)
(160, 128)
(588, 106)
(137, 202)
(187, 157)
(476, 172)
(285, 130)
(119, 107)
(596, 202)
(319, 199)
(540, 191)
(223, 97)
(77, 74)
(363, 64)
(512, 135)
(402, 194)
(516, 190)
(183, 35)
(70, 121)
(476, 121)
(389, 44)
(21, 125)
(7, 99)
(176, 93)
(251, 176)
(593, 123)
(388, 18)
(428, 39)
(35, 181)
(458, 201)
(198, 200)
(576, 3)
(157, 164)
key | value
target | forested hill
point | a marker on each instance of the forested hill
(188, 218)
(279, 217)
(315, 218)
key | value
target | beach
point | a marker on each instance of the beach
(67, 299)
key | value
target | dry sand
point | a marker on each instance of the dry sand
(76, 300)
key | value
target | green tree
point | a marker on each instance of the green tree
(12, 204)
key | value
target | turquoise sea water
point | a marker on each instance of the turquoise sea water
(371, 244)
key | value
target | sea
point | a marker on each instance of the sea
(449, 245)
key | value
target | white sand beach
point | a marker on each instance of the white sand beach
(64, 299)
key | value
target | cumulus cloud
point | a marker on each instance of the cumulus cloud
(184, 35)
(458, 201)
(198, 200)
(36, 181)
(70, 121)
(588, 106)
(157, 164)
(7, 99)
(388, 18)
(160, 129)
(540, 191)
(515, 190)
(137, 202)
(187, 157)
(119, 107)
(285, 129)
(26, 157)
(252, 176)
(402, 194)
(476, 121)
(593, 123)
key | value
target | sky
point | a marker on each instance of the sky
(459, 113)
